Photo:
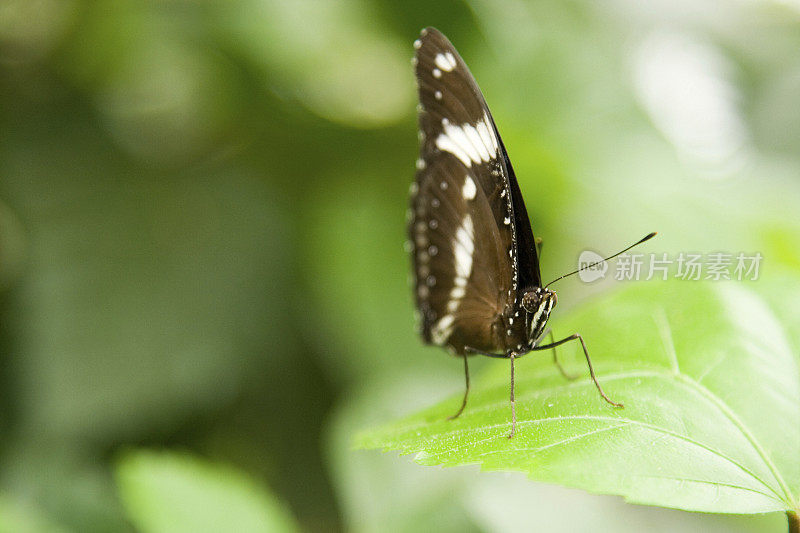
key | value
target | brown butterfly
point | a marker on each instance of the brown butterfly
(477, 281)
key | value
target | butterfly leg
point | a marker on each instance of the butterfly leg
(512, 356)
(513, 403)
(466, 392)
(549, 333)
(588, 361)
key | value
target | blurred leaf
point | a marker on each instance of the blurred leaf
(159, 94)
(176, 492)
(143, 288)
(18, 518)
(29, 29)
(13, 243)
(420, 499)
(712, 395)
(332, 57)
(356, 231)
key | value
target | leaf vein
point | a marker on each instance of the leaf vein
(626, 421)
(715, 483)
(562, 441)
(731, 415)
(717, 402)
(665, 331)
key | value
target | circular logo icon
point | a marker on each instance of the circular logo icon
(593, 270)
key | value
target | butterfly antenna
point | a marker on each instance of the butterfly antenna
(644, 239)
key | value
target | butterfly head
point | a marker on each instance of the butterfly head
(538, 299)
(538, 302)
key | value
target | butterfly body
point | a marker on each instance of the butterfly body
(477, 283)
(474, 256)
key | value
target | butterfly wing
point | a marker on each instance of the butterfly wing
(463, 226)
(530, 275)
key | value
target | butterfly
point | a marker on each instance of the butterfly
(475, 261)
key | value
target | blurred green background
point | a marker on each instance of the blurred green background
(202, 224)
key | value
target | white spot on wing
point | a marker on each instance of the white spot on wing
(446, 144)
(437, 73)
(459, 135)
(487, 135)
(476, 141)
(445, 62)
(470, 144)
(442, 330)
(420, 239)
(463, 250)
(469, 189)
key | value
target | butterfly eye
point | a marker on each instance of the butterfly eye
(530, 301)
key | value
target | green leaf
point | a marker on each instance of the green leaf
(712, 402)
(177, 492)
